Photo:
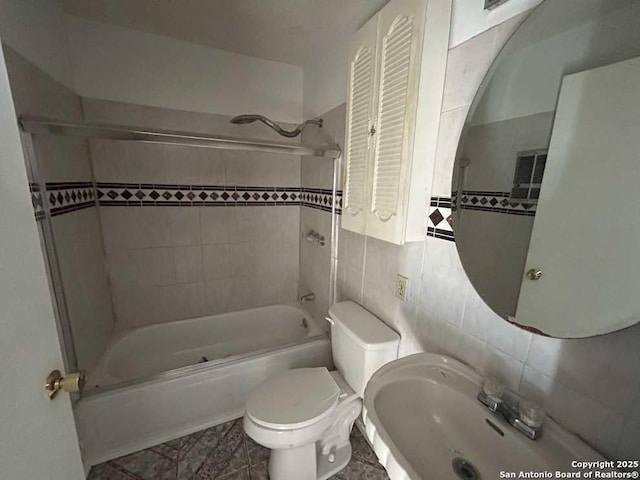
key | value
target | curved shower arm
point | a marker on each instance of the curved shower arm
(243, 119)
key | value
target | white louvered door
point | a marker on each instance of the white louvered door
(400, 27)
(360, 108)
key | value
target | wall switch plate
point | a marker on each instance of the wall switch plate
(402, 287)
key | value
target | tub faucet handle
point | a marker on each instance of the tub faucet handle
(309, 297)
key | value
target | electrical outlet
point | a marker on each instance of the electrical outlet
(402, 287)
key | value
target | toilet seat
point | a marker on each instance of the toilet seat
(294, 399)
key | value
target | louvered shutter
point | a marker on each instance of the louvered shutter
(360, 101)
(391, 139)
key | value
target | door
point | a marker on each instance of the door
(360, 108)
(586, 231)
(38, 438)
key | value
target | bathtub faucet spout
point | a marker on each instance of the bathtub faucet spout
(309, 297)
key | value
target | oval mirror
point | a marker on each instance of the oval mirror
(546, 184)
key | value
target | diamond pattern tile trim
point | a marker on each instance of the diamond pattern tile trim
(494, 202)
(439, 221)
(135, 194)
(61, 197)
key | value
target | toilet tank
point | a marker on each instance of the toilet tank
(361, 343)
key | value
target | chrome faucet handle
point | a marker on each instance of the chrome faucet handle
(309, 297)
(511, 415)
(492, 402)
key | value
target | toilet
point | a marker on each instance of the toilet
(305, 415)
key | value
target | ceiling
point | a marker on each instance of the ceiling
(288, 31)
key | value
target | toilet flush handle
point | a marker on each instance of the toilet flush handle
(330, 320)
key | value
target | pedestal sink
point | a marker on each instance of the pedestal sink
(425, 423)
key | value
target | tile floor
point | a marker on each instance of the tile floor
(223, 452)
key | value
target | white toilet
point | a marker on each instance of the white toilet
(305, 415)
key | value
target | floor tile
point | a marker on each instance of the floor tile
(195, 449)
(238, 475)
(226, 453)
(357, 470)
(148, 465)
(257, 453)
(106, 471)
(223, 452)
(361, 449)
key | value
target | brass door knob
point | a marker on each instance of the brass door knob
(73, 382)
(534, 274)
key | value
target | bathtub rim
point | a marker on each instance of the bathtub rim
(198, 367)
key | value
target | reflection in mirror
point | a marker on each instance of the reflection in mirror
(543, 185)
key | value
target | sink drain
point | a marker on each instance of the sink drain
(465, 469)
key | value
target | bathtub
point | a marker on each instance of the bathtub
(159, 382)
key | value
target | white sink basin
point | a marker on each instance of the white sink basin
(421, 414)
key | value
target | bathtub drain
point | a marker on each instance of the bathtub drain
(464, 469)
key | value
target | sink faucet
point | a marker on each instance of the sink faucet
(510, 413)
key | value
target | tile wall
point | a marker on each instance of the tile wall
(66, 186)
(317, 174)
(592, 386)
(193, 231)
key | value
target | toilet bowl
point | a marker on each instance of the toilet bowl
(305, 415)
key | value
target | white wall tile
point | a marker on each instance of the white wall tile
(185, 225)
(216, 261)
(598, 425)
(451, 123)
(216, 296)
(605, 368)
(466, 66)
(434, 334)
(241, 260)
(479, 320)
(242, 223)
(189, 264)
(351, 249)
(444, 284)
(215, 225)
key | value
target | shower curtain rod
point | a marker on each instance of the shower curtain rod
(40, 125)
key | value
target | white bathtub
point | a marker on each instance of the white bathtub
(154, 384)
(145, 351)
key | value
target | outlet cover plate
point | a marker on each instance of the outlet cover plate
(402, 287)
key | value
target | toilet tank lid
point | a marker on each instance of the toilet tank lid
(363, 327)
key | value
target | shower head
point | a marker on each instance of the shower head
(249, 118)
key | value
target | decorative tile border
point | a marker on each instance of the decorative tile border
(61, 197)
(65, 197)
(494, 202)
(321, 199)
(439, 219)
(37, 200)
(141, 194)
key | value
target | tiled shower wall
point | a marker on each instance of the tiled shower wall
(317, 174)
(591, 386)
(64, 167)
(172, 253)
